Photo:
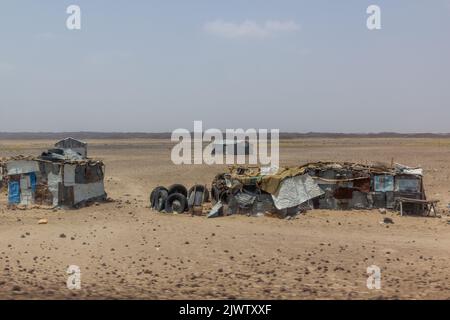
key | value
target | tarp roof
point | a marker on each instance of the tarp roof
(271, 182)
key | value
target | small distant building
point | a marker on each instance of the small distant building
(232, 147)
(59, 177)
(73, 144)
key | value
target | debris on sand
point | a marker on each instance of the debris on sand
(16, 288)
(289, 191)
(216, 210)
(387, 221)
(43, 221)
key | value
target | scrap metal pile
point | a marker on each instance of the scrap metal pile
(321, 185)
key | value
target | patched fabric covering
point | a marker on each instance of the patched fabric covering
(295, 191)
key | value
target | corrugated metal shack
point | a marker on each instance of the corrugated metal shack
(322, 185)
(56, 178)
(355, 186)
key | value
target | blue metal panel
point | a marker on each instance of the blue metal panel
(33, 181)
(13, 192)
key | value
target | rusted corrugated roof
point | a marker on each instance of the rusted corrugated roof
(32, 158)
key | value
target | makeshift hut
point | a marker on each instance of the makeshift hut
(60, 177)
(322, 185)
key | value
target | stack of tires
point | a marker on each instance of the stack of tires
(177, 199)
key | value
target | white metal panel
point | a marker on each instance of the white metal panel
(21, 166)
(295, 191)
(53, 186)
(26, 197)
(25, 183)
(83, 192)
(69, 175)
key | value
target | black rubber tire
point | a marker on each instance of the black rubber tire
(160, 197)
(191, 199)
(172, 199)
(200, 188)
(196, 199)
(152, 196)
(178, 188)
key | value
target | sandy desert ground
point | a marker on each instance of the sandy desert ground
(127, 251)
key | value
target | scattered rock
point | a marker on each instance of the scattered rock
(43, 221)
(16, 288)
(382, 210)
(62, 235)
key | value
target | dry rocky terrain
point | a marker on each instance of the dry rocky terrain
(127, 251)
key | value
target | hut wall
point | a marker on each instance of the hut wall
(82, 183)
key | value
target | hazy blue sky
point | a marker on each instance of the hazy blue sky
(159, 65)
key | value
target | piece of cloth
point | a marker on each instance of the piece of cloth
(272, 183)
(267, 171)
(408, 170)
(268, 180)
(295, 191)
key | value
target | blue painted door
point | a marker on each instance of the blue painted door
(13, 192)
